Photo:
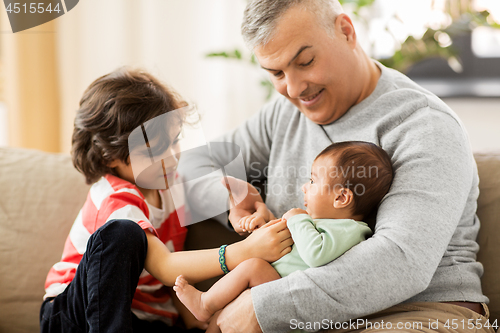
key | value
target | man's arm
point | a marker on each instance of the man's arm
(434, 170)
(253, 140)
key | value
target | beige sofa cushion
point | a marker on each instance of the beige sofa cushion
(488, 210)
(41, 195)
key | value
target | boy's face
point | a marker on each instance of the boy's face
(319, 194)
(159, 174)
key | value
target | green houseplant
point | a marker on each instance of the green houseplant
(435, 42)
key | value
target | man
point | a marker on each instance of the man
(419, 268)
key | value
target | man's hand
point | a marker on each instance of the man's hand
(293, 212)
(242, 198)
(239, 316)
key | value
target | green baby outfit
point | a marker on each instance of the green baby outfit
(319, 241)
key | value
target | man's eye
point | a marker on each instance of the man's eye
(307, 64)
(278, 74)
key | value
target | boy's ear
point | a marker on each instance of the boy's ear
(343, 198)
(117, 162)
(113, 164)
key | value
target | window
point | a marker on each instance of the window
(3, 110)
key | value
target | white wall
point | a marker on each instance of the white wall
(169, 38)
(481, 117)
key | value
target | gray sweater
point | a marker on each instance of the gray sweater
(423, 248)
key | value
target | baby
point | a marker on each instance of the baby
(348, 181)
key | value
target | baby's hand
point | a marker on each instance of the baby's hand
(293, 212)
(257, 219)
(252, 222)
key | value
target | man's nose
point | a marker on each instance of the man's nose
(295, 86)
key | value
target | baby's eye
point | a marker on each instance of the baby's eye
(311, 181)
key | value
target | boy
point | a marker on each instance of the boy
(119, 255)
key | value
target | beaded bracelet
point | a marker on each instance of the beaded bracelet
(222, 259)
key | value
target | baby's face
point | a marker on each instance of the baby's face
(319, 193)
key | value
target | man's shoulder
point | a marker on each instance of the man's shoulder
(279, 114)
(401, 95)
(280, 106)
(400, 89)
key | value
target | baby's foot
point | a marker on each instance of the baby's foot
(191, 298)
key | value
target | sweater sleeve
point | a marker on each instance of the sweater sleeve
(434, 170)
(203, 168)
(328, 239)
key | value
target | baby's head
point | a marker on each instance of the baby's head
(348, 180)
(110, 109)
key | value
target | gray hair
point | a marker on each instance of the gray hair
(261, 17)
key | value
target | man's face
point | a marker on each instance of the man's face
(314, 69)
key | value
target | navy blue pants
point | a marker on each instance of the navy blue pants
(100, 296)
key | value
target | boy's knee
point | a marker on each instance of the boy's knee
(124, 234)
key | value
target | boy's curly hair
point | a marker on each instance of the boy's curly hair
(110, 109)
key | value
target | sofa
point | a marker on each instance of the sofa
(41, 194)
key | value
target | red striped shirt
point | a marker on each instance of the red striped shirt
(114, 198)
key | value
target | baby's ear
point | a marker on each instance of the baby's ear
(343, 198)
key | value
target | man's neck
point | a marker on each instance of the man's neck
(371, 76)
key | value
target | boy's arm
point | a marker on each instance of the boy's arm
(270, 242)
(318, 245)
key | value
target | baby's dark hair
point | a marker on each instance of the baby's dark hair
(354, 163)
(110, 109)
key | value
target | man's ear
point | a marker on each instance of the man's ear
(343, 198)
(344, 24)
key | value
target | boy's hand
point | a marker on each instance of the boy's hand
(257, 219)
(293, 212)
(269, 242)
